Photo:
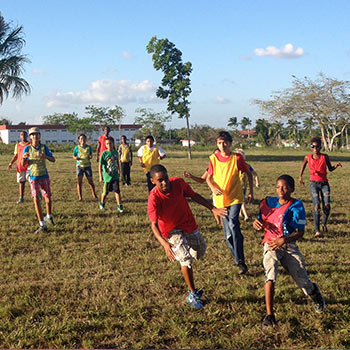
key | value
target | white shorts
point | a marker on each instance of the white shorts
(23, 176)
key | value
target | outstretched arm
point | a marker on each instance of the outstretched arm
(201, 179)
(218, 213)
(12, 161)
(302, 171)
(330, 166)
(165, 244)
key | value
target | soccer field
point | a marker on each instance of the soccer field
(101, 280)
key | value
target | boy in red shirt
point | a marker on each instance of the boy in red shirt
(319, 187)
(22, 175)
(174, 226)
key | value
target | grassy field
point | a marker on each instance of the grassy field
(101, 280)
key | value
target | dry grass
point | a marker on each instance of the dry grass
(101, 280)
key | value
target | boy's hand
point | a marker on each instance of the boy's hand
(142, 165)
(187, 174)
(276, 243)
(301, 182)
(26, 155)
(217, 191)
(169, 252)
(338, 165)
(9, 167)
(258, 225)
(219, 213)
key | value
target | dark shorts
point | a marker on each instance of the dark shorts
(87, 171)
(112, 186)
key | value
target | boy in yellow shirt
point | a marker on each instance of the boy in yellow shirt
(149, 155)
(223, 179)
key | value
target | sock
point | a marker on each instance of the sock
(42, 223)
(49, 216)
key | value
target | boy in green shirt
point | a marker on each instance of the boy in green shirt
(109, 174)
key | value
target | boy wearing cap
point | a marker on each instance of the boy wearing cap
(35, 155)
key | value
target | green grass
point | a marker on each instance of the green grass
(101, 280)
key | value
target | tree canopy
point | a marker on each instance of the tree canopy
(12, 62)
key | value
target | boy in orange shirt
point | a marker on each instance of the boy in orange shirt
(224, 181)
(22, 175)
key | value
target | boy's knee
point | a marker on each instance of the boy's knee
(327, 208)
(317, 208)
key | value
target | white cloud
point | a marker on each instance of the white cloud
(39, 71)
(222, 100)
(287, 51)
(127, 55)
(105, 92)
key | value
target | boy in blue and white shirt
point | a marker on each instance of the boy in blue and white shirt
(283, 219)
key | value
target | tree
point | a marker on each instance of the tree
(275, 132)
(246, 122)
(325, 100)
(11, 62)
(232, 123)
(293, 125)
(176, 82)
(102, 116)
(152, 122)
(262, 128)
(308, 125)
(5, 121)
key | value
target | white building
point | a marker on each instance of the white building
(58, 134)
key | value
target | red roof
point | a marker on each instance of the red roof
(247, 132)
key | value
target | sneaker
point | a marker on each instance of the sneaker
(243, 269)
(21, 200)
(197, 292)
(268, 321)
(41, 229)
(324, 228)
(49, 220)
(317, 298)
(102, 206)
(195, 301)
(120, 208)
(318, 234)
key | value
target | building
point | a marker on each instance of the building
(185, 143)
(58, 134)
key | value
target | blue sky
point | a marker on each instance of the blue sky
(94, 52)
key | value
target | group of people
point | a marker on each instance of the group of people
(282, 218)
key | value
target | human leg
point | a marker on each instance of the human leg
(326, 201)
(315, 197)
(104, 195)
(233, 234)
(79, 187)
(92, 186)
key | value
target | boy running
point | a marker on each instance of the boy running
(109, 174)
(125, 157)
(22, 175)
(82, 154)
(319, 187)
(174, 226)
(149, 155)
(34, 156)
(283, 219)
(223, 180)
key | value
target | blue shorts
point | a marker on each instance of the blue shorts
(112, 186)
(87, 171)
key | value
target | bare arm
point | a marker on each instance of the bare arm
(329, 165)
(302, 171)
(141, 162)
(100, 172)
(256, 176)
(201, 179)
(250, 195)
(12, 161)
(165, 244)
(218, 213)
(98, 151)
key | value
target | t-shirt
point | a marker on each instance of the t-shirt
(110, 166)
(171, 210)
(76, 153)
(47, 152)
(101, 141)
(294, 216)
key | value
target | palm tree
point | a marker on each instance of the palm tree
(308, 124)
(293, 127)
(246, 122)
(232, 122)
(11, 62)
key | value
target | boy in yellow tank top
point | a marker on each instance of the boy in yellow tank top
(223, 179)
(35, 155)
(125, 158)
(149, 155)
